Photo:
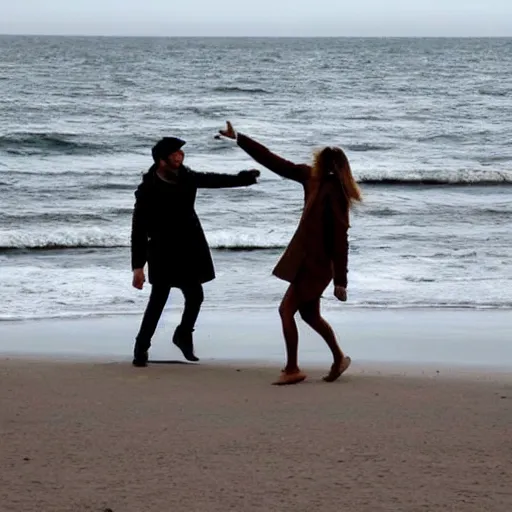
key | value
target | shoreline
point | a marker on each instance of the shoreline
(465, 339)
(330, 307)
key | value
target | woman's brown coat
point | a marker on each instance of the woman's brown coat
(318, 251)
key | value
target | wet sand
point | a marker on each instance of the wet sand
(450, 338)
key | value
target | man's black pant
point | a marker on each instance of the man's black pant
(193, 294)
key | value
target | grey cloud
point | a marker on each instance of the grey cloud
(260, 17)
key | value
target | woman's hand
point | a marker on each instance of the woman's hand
(340, 292)
(229, 132)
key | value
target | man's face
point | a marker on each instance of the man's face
(175, 160)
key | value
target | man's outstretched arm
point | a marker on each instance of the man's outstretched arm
(220, 180)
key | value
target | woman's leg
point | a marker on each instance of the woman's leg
(310, 313)
(287, 310)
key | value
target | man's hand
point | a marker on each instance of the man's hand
(253, 173)
(229, 132)
(340, 292)
(138, 278)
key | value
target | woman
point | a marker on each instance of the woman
(318, 251)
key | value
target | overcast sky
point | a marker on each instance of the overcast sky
(258, 17)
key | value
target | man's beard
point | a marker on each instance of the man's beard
(171, 173)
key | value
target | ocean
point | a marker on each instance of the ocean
(425, 124)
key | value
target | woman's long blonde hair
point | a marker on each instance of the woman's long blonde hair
(332, 160)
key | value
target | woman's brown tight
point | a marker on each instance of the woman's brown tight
(310, 313)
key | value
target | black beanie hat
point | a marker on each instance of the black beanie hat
(164, 147)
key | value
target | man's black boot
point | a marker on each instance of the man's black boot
(140, 356)
(184, 341)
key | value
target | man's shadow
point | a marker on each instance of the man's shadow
(170, 361)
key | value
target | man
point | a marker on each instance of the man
(167, 234)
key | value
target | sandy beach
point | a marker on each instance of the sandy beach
(421, 422)
(95, 436)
